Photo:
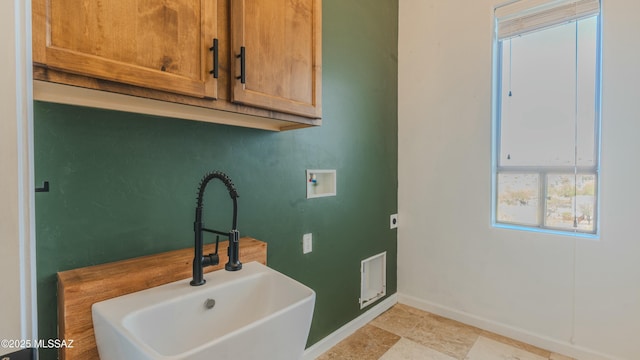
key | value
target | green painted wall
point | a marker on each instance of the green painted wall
(124, 185)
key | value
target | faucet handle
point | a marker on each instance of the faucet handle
(210, 260)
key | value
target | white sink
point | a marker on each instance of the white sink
(259, 313)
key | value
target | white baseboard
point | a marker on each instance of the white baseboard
(538, 340)
(342, 333)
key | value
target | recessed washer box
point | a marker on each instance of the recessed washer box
(321, 183)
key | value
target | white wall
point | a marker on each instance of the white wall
(576, 296)
(16, 301)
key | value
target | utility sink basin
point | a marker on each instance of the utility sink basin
(254, 313)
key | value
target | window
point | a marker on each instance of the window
(547, 115)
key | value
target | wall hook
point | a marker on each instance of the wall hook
(44, 188)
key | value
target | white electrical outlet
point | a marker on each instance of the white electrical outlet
(307, 243)
(393, 221)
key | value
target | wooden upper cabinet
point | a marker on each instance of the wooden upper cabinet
(281, 42)
(156, 44)
(163, 50)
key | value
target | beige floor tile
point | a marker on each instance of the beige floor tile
(368, 343)
(516, 343)
(408, 350)
(488, 349)
(412, 310)
(400, 319)
(406, 333)
(555, 356)
(444, 335)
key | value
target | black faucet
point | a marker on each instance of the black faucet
(200, 260)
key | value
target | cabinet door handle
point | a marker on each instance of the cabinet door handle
(214, 49)
(242, 56)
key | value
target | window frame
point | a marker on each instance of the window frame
(543, 171)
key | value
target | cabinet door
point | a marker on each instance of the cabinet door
(157, 44)
(281, 41)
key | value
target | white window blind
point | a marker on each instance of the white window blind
(525, 16)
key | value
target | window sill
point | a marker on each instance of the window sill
(589, 236)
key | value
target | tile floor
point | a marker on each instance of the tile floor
(404, 332)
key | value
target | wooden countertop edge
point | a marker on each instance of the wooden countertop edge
(148, 263)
